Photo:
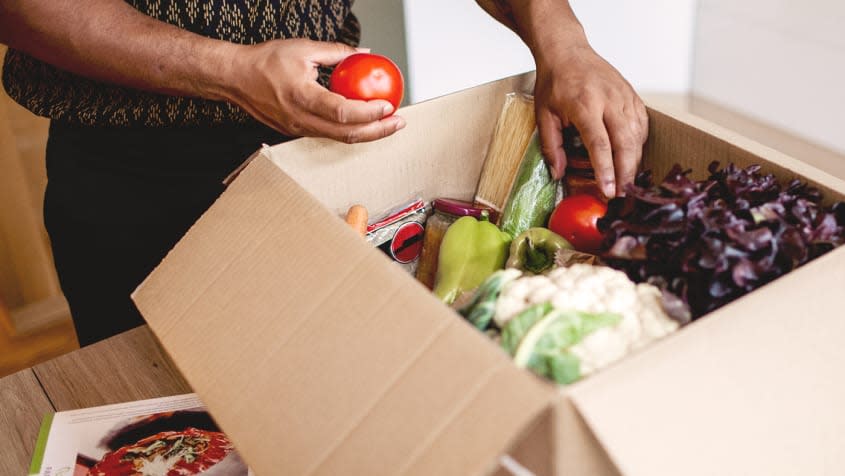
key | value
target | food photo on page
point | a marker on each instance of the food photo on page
(173, 436)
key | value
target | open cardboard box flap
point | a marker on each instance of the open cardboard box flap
(319, 356)
(728, 395)
(314, 352)
(752, 388)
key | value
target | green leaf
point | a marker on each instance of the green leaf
(544, 348)
(560, 366)
(564, 368)
(520, 324)
(481, 309)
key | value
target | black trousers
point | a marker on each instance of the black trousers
(118, 199)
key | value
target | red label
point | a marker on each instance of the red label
(406, 245)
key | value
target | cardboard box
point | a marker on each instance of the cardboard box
(318, 356)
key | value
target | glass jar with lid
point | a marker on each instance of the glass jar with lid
(446, 211)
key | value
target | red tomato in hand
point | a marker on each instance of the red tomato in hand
(367, 76)
(575, 219)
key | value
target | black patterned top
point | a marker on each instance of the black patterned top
(65, 97)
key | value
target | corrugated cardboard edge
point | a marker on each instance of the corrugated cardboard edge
(215, 272)
(570, 441)
(730, 142)
(733, 409)
(647, 395)
(424, 457)
(560, 442)
(263, 150)
(451, 133)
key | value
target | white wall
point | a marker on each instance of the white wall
(779, 61)
(454, 44)
(649, 41)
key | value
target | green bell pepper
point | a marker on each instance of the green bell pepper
(534, 250)
(471, 251)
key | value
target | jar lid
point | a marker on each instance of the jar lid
(462, 209)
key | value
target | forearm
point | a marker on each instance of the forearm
(544, 25)
(274, 81)
(110, 41)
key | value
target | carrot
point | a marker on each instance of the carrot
(357, 218)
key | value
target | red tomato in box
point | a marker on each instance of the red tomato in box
(368, 76)
(575, 219)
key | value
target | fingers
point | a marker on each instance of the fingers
(551, 141)
(614, 137)
(278, 88)
(335, 108)
(304, 123)
(325, 114)
(625, 138)
(597, 141)
(322, 113)
(642, 118)
(328, 54)
(637, 119)
(352, 134)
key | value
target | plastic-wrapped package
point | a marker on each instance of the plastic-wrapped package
(399, 234)
(534, 194)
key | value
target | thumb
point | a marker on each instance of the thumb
(329, 54)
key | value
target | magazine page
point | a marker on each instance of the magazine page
(160, 437)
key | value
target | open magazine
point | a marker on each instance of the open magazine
(160, 437)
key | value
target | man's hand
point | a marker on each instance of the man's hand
(276, 82)
(575, 86)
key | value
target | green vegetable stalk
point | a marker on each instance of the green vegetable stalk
(470, 252)
(532, 198)
(535, 249)
(482, 307)
(540, 338)
(517, 327)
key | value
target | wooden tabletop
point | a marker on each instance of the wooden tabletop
(130, 366)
